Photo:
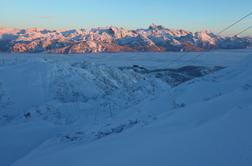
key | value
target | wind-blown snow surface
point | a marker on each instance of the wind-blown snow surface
(104, 110)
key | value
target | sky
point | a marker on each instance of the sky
(193, 15)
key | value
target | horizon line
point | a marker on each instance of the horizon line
(126, 28)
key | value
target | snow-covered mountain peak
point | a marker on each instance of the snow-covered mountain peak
(113, 39)
(156, 27)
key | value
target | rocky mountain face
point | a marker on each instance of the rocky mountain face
(113, 39)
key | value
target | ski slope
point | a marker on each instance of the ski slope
(124, 109)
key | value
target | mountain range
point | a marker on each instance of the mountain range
(156, 38)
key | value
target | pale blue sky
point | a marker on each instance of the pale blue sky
(192, 15)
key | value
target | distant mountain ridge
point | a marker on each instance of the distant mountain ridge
(156, 38)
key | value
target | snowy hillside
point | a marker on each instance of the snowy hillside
(126, 109)
(156, 38)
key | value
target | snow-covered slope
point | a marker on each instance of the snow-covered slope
(126, 110)
(113, 39)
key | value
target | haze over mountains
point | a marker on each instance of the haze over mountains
(156, 38)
